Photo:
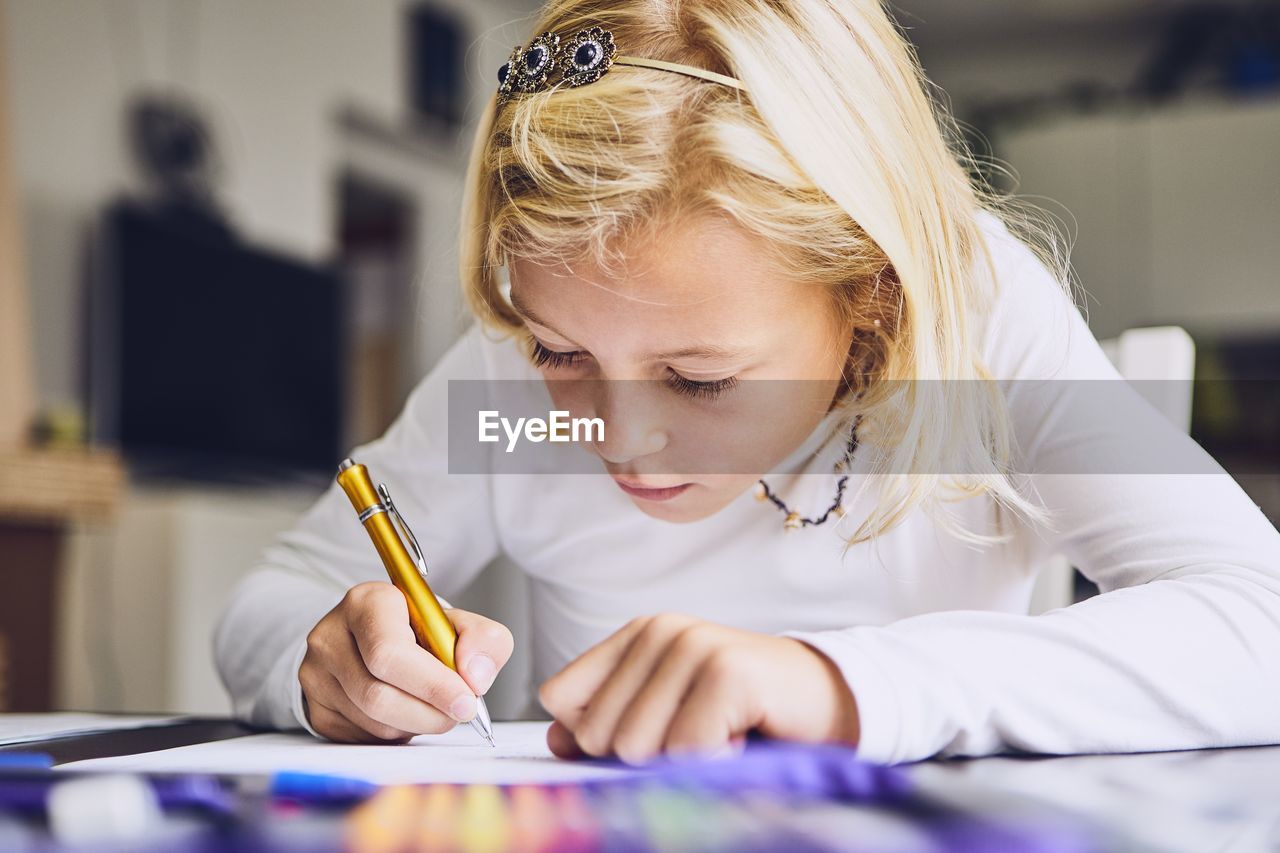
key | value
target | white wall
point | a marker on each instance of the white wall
(1172, 208)
(1175, 211)
(1215, 216)
(140, 598)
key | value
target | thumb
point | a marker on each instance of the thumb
(484, 646)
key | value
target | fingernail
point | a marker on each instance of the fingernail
(463, 708)
(482, 669)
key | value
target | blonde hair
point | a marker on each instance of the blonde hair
(835, 155)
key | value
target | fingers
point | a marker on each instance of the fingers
(334, 726)
(561, 743)
(338, 726)
(386, 704)
(566, 694)
(366, 679)
(484, 647)
(641, 730)
(713, 713)
(661, 639)
(391, 657)
(667, 683)
(325, 697)
(329, 711)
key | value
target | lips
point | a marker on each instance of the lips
(650, 493)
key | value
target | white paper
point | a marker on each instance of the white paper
(25, 728)
(460, 756)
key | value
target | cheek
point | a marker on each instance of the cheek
(817, 340)
(790, 411)
(827, 350)
(764, 424)
(568, 395)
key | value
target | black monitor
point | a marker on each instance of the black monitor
(209, 358)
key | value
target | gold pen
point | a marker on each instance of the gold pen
(399, 550)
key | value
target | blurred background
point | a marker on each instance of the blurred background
(228, 242)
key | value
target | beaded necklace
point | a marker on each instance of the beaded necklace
(793, 520)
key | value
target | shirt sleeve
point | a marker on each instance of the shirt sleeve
(261, 636)
(1182, 648)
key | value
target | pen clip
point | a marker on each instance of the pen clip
(411, 541)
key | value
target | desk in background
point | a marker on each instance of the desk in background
(42, 492)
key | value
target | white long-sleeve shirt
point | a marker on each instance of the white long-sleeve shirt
(1181, 650)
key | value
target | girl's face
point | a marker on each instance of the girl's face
(706, 363)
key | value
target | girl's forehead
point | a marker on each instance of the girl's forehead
(663, 296)
(680, 315)
(687, 264)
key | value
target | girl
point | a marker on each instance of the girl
(689, 196)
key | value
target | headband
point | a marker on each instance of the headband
(582, 58)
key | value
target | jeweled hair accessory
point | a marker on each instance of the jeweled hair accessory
(582, 58)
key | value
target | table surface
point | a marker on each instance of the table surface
(1215, 799)
(1193, 800)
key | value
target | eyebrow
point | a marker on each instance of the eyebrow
(705, 351)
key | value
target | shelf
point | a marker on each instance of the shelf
(59, 485)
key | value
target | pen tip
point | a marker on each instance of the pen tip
(491, 743)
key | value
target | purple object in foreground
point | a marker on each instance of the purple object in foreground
(802, 773)
(810, 771)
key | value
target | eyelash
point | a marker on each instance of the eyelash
(701, 390)
(543, 357)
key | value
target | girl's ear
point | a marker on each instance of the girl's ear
(868, 352)
(873, 311)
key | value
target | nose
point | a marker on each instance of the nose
(632, 424)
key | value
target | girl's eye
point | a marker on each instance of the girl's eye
(701, 390)
(543, 357)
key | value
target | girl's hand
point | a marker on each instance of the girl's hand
(365, 679)
(672, 683)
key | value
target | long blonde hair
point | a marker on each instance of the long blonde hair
(836, 155)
